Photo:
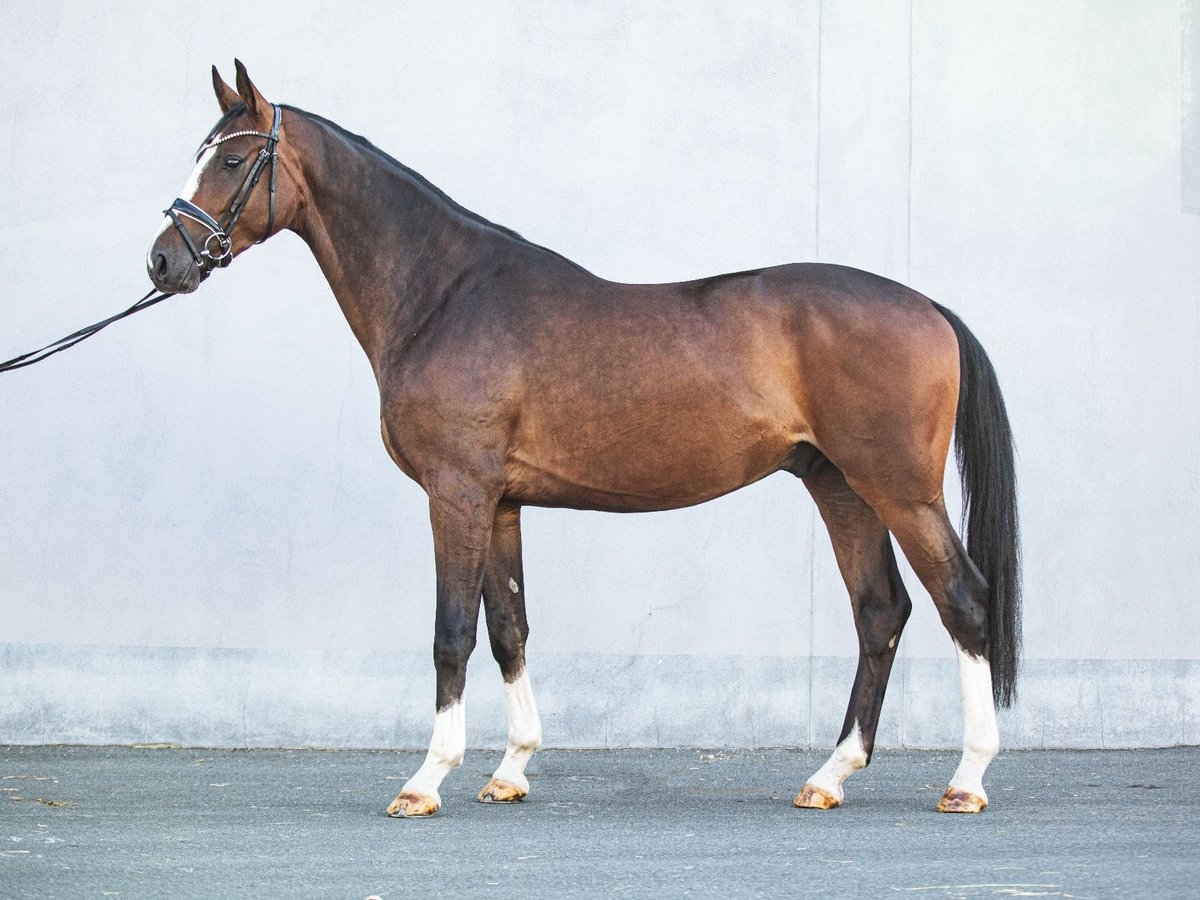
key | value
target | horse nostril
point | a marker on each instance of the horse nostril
(160, 264)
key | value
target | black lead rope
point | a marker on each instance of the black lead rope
(217, 255)
(36, 356)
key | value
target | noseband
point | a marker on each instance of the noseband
(218, 235)
(218, 246)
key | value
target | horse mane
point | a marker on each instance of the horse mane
(388, 160)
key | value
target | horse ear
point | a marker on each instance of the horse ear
(256, 103)
(227, 97)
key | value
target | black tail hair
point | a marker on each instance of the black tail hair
(983, 445)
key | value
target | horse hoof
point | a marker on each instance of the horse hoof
(411, 805)
(498, 791)
(956, 800)
(813, 797)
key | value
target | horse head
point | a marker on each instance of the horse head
(239, 192)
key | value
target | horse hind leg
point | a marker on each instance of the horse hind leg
(961, 596)
(881, 607)
(508, 629)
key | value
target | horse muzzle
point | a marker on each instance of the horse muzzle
(172, 269)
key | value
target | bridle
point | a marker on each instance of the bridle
(218, 246)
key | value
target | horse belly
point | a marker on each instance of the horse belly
(665, 452)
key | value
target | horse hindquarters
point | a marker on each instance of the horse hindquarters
(907, 414)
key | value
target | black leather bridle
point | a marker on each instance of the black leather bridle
(217, 248)
(218, 256)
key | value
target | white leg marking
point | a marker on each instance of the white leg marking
(848, 757)
(981, 737)
(524, 731)
(446, 750)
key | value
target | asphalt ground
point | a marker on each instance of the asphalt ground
(137, 822)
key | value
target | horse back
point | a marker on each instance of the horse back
(633, 397)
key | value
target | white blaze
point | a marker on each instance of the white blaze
(192, 186)
(190, 189)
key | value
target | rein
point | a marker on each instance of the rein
(219, 256)
(65, 343)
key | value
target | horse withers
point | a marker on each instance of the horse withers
(510, 376)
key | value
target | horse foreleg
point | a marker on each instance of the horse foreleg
(504, 607)
(462, 524)
(881, 608)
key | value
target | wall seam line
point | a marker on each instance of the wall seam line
(817, 174)
(908, 224)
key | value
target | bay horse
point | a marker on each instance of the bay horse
(510, 376)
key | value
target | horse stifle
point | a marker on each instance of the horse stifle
(510, 376)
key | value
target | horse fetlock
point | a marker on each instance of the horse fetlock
(524, 741)
(852, 758)
(441, 759)
(983, 749)
(447, 759)
(849, 756)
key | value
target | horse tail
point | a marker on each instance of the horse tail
(983, 446)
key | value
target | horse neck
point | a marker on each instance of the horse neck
(388, 244)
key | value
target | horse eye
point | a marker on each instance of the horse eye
(232, 162)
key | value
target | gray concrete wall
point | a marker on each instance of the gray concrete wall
(203, 541)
